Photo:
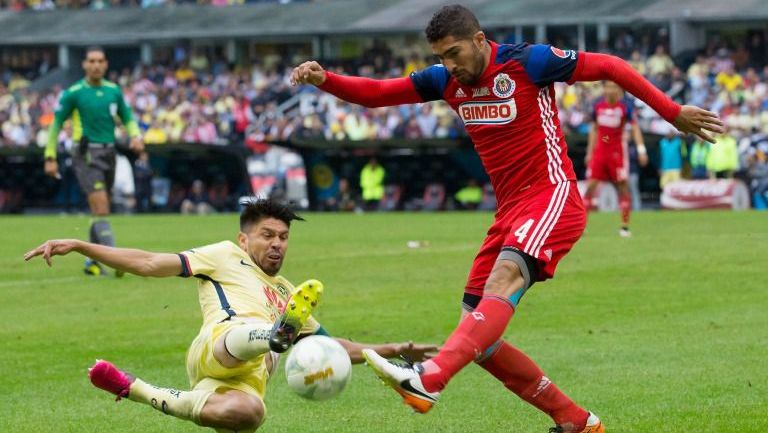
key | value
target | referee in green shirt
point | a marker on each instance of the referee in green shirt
(93, 103)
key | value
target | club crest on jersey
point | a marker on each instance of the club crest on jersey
(488, 112)
(480, 92)
(503, 86)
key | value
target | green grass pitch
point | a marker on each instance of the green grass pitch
(664, 332)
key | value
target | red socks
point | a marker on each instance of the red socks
(625, 204)
(479, 330)
(522, 376)
(477, 333)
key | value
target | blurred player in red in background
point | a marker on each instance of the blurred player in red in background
(607, 157)
(504, 94)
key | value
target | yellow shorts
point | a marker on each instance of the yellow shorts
(206, 373)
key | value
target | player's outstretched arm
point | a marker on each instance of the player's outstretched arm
(687, 118)
(139, 262)
(357, 90)
(412, 351)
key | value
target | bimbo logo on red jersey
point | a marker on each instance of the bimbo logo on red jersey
(488, 112)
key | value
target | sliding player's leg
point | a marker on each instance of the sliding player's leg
(226, 391)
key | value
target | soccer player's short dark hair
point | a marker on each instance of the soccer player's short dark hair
(94, 48)
(452, 20)
(258, 209)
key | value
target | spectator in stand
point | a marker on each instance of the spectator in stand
(415, 63)
(758, 55)
(184, 74)
(342, 200)
(470, 196)
(729, 80)
(678, 87)
(198, 62)
(699, 67)
(155, 134)
(721, 61)
(345, 201)
(427, 121)
(724, 156)
(356, 126)
(757, 168)
(243, 103)
(638, 63)
(412, 130)
(660, 65)
(672, 152)
(142, 178)
(372, 183)
(196, 201)
(699, 158)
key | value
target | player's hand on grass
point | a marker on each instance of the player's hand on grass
(56, 247)
(137, 145)
(308, 73)
(52, 168)
(699, 122)
(417, 352)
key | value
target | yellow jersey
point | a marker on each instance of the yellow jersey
(232, 286)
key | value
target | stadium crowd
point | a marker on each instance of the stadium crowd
(41, 5)
(205, 100)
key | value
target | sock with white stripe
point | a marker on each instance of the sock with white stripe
(246, 342)
(182, 404)
(520, 374)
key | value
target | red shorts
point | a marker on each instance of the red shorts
(544, 224)
(609, 166)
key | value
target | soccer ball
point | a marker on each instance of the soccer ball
(318, 368)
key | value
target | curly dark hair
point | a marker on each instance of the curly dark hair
(255, 210)
(452, 20)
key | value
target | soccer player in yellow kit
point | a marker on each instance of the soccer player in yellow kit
(249, 313)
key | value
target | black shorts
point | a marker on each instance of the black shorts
(95, 169)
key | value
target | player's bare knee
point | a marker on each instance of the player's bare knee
(512, 275)
(241, 413)
(504, 280)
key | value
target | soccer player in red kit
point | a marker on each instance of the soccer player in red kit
(504, 95)
(607, 156)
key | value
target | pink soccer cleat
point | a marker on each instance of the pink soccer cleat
(106, 376)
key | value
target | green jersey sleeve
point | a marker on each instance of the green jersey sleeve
(124, 112)
(63, 110)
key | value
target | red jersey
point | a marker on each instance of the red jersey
(511, 116)
(610, 120)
